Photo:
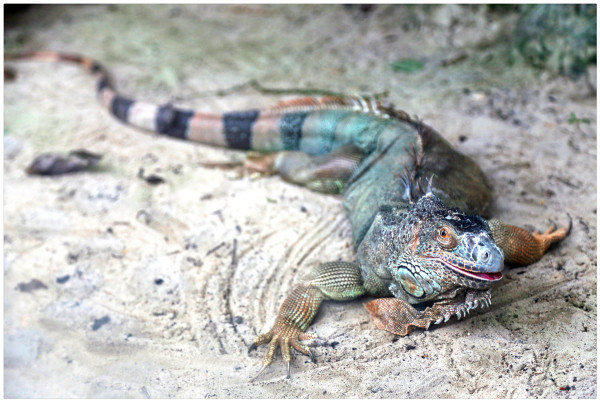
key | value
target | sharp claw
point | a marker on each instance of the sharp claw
(288, 371)
(312, 356)
(570, 224)
(458, 314)
(259, 372)
(476, 303)
(252, 347)
(439, 321)
(446, 317)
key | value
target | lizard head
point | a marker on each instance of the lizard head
(453, 245)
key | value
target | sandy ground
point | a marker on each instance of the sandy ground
(117, 288)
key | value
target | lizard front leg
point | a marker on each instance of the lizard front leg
(521, 247)
(399, 317)
(332, 281)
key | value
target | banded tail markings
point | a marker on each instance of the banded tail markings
(172, 121)
(290, 127)
(143, 115)
(314, 125)
(207, 128)
(103, 84)
(237, 127)
(266, 135)
(120, 106)
(276, 131)
(106, 97)
(318, 131)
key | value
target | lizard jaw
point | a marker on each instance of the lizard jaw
(483, 276)
(465, 269)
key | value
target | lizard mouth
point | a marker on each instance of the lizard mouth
(472, 271)
(469, 270)
(482, 276)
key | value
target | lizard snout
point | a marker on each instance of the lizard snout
(484, 252)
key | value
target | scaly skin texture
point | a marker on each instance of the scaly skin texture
(415, 204)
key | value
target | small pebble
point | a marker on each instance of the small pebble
(62, 279)
(581, 259)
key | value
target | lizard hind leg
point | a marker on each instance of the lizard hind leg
(521, 247)
(323, 173)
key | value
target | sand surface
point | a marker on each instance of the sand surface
(117, 288)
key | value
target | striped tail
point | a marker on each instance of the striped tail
(325, 122)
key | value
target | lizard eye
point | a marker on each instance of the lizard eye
(446, 238)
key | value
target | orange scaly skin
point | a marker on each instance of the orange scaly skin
(521, 247)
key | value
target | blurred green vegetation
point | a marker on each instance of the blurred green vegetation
(560, 38)
(557, 38)
(573, 119)
(407, 65)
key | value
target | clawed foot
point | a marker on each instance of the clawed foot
(284, 336)
(553, 235)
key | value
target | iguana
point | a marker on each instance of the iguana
(415, 204)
